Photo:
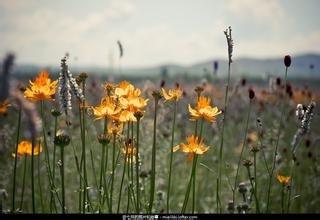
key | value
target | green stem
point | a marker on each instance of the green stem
(52, 200)
(254, 190)
(15, 163)
(186, 198)
(122, 178)
(113, 169)
(153, 162)
(256, 182)
(241, 153)
(62, 179)
(171, 154)
(39, 183)
(137, 167)
(282, 199)
(32, 178)
(23, 180)
(101, 190)
(222, 133)
(276, 148)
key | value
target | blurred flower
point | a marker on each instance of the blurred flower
(129, 151)
(43, 88)
(203, 110)
(172, 94)
(25, 148)
(4, 107)
(284, 180)
(193, 146)
(123, 88)
(115, 127)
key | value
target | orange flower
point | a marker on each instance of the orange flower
(172, 94)
(203, 110)
(43, 88)
(108, 108)
(193, 146)
(4, 107)
(284, 180)
(25, 148)
(123, 89)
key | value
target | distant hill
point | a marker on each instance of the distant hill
(250, 67)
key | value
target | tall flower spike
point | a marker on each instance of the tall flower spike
(67, 84)
(64, 89)
(230, 42)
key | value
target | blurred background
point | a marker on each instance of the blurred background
(162, 37)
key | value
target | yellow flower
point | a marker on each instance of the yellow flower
(172, 94)
(108, 108)
(284, 180)
(203, 110)
(4, 107)
(123, 89)
(115, 127)
(130, 151)
(25, 148)
(193, 146)
(43, 88)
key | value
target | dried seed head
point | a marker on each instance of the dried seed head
(299, 111)
(287, 60)
(228, 35)
(198, 90)
(138, 115)
(247, 163)
(251, 94)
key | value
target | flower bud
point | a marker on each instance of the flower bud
(62, 139)
(251, 94)
(247, 163)
(103, 139)
(287, 60)
(242, 188)
(55, 112)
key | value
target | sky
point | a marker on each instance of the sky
(155, 32)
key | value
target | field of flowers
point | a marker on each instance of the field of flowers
(77, 144)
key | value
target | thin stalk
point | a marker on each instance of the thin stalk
(102, 169)
(122, 178)
(186, 198)
(241, 153)
(222, 132)
(32, 178)
(15, 162)
(282, 199)
(276, 148)
(39, 183)
(153, 160)
(23, 179)
(194, 174)
(52, 200)
(80, 168)
(46, 151)
(171, 154)
(254, 190)
(290, 186)
(62, 179)
(113, 169)
(137, 167)
(256, 181)
(101, 176)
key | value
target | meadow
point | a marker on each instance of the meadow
(82, 144)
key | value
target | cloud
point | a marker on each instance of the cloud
(266, 13)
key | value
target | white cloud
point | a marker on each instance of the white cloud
(265, 12)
